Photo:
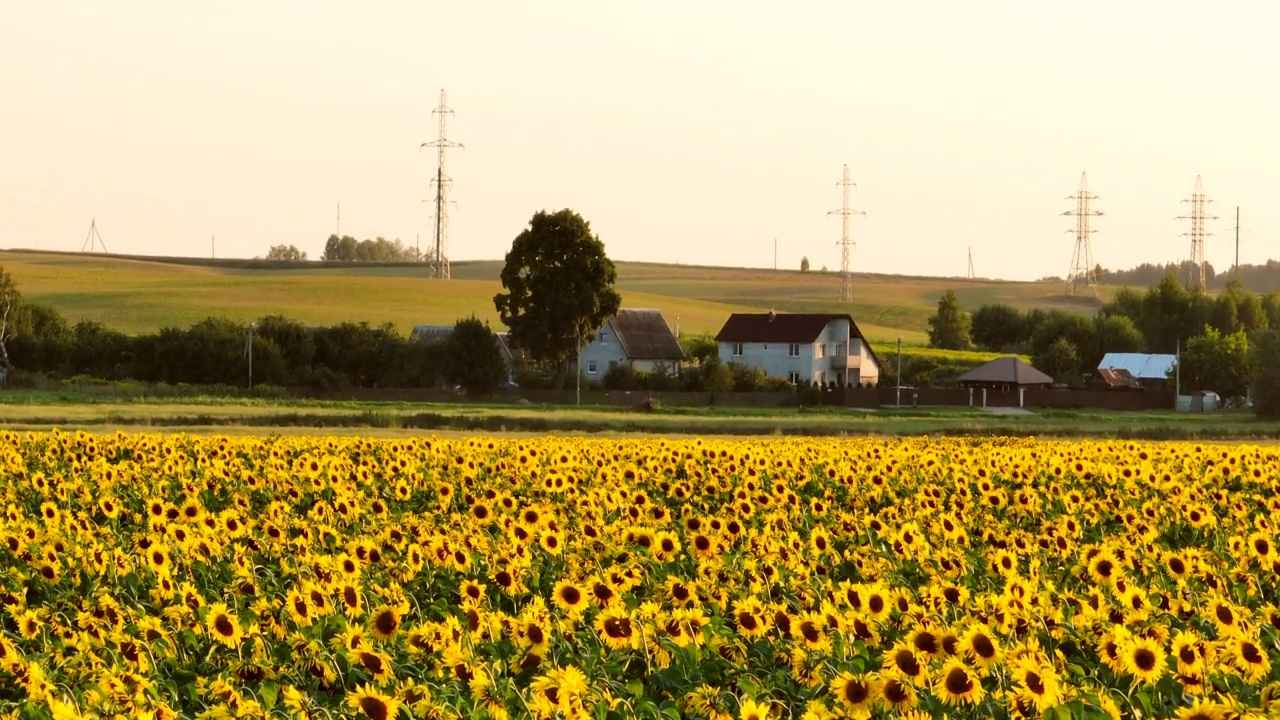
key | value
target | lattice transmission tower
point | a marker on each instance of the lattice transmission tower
(1199, 209)
(440, 258)
(845, 212)
(93, 240)
(1083, 273)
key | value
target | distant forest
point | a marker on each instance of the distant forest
(1258, 278)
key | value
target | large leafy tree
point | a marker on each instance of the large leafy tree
(286, 253)
(558, 288)
(998, 327)
(949, 327)
(1213, 361)
(1265, 357)
(472, 358)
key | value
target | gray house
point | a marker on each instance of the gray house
(827, 349)
(639, 337)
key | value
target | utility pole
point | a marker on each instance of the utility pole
(898, 393)
(442, 183)
(93, 239)
(578, 371)
(1177, 373)
(337, 226)
(845, 212)
(1082, 267)
(1236, 268)
(1198, 202)
(971, 275)
(248, 349)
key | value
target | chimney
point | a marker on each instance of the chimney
(772, 314)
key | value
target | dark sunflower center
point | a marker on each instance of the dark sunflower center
(926, 642)
(895, 692)
(1225, 616)
(617, 628)
(875, 604)
(1186, 654)
(958, 682)
(747, 621)
(1144, 659)
(371, 662)
(1034, 683)
(374, 708)
(1250, 653)
(907, 663)
(386, 622)
(570, 595)
(984, 647)
(222, 624)
(536, 636)
(809, 631)
(855, 692)
(1104, 568)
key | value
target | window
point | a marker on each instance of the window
(591, 367)
(820, 350)
(604, 338)
(793, 350)
(793, 378)
(737, 349)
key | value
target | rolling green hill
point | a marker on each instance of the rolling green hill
(136, 294)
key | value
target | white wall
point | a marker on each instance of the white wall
(773, 358)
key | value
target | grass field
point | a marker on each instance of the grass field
(137, 295)
(31, 410)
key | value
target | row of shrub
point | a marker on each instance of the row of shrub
(216, 351)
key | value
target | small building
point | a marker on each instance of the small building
(639, 337)
(1006, 374)
(512, 357)
(1114, 379)
(827, 349)
(1150, 370)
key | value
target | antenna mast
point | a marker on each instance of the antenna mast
(1082, 267)
(440, 260)
(1197, 233)
(93, 239)
(845, 212)
(971, 275)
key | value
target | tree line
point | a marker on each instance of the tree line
(1214, 333)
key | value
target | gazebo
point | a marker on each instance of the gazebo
(1006, 374)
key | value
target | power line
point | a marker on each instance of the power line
(442, 182)
(1082, 268)
(1198, 202)
(845, 212)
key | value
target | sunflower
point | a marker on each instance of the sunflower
(811, 627)
(1188, 649)
(375, 664)
(1104, 568)
(1224, 616)
(752, 710)
(979, 644)
(958, 684)
(373, 704)
(299, 608)
(384, 622)
(1250, 658)
(615, 628)
(751, 618)
(1038, 682)
(1143, 659)
(896, 696)
(856, 693)
(904, 662)
(223, 625)
(1203, 709)
(569, 597)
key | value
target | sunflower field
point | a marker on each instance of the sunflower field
(148, 576)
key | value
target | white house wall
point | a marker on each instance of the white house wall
(774, 360)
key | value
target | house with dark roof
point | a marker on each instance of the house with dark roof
(639, 337)
(823, 348)
(1005, 374)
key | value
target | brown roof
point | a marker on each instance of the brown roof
(774, 327)
(645, 335)
(1010, 370)
(1118, 378)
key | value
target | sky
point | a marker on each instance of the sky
(684, 132)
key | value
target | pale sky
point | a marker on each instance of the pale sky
(691, 132)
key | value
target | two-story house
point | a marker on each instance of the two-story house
(639, 337)
(820, 348)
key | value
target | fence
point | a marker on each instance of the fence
(888, 395)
